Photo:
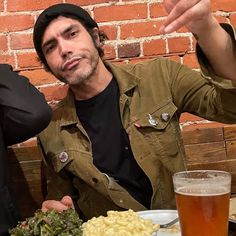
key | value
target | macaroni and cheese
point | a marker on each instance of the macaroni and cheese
(119, 223)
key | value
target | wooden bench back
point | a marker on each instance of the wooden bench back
(28, 179)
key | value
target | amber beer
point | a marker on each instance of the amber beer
(202, 199)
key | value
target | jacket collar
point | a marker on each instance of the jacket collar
(124, 76)
(68, 113)
(126, 81)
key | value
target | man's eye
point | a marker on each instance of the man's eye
(73, 33)
(49, 49)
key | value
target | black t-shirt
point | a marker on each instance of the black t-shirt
(100, 117)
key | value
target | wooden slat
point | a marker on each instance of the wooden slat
(27, 178)
(203, 135)
(231, 149)
(18, 154)
(205, 152)
(218, 165)
(230, 132)
(31, 170)
(227, 165)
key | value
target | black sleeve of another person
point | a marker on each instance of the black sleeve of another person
(24, 112)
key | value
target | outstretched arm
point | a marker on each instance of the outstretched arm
(24, 111)
(216, 43)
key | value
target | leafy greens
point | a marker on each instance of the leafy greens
(50, 223)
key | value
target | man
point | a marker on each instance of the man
(114, 141)
(24, 113)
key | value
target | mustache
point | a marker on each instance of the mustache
(70, 60)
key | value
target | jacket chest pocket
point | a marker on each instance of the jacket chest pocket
(159, 129)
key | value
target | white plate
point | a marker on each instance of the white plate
(162, 217)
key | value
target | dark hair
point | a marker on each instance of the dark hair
(102, 38)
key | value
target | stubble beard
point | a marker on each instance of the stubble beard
(77, 78)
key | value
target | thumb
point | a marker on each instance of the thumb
(67, 201)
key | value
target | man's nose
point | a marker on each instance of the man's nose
(64, 48)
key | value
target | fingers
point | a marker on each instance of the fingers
(180, 10)
(53, 205)
(67, 201)
(185, 11)
(170, 4)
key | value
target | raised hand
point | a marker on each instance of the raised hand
(193, 14)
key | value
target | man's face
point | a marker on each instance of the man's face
(69, 50)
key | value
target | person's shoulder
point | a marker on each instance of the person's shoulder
(53, 126)
(57, 109)
(147, 68)
(158, 65)
(145, 63)
(58, 106)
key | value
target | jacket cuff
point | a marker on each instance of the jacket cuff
(206, 68)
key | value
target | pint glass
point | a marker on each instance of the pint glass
(202, 199)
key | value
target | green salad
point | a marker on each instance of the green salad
(50, 223)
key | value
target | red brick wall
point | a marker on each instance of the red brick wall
(132, 27)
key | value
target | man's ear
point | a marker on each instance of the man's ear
(96, 35)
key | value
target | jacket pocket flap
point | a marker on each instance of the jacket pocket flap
(159, 117)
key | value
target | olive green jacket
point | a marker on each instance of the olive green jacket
(153, 94)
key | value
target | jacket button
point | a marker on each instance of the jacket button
(165, 116)
(95, 180)
(86, 147)
(63, 157)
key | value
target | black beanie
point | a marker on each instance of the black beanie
(53, 12)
